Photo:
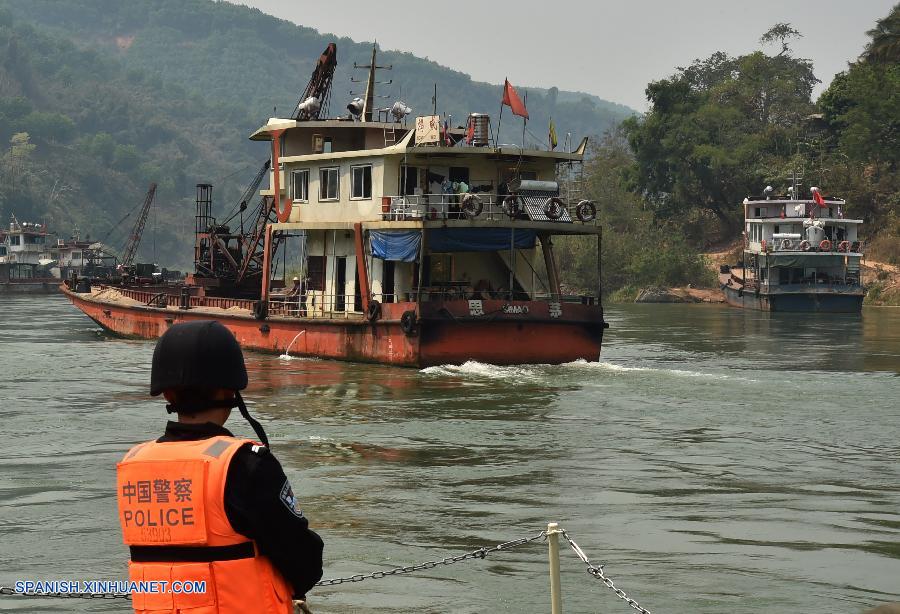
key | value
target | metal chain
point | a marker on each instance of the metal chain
(597, 572)
(475, 554)
(450, 560)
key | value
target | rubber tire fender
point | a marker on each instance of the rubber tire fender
(472, 205)
(408, 322)
(373, 312)
(554, 208)
(512, 205)
(586, 211)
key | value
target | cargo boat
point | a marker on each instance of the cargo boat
(800, 255)
(24, 259)
(411, 245)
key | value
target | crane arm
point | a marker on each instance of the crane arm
(135, 239)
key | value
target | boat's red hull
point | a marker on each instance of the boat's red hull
(440, 336)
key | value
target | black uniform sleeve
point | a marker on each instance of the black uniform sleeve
(260, 504)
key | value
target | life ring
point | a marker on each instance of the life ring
(472, 205)
(554, 208)
(763, 245)
(586, 211)
(408, 322)
(786, 244)
(804, 246)
(825, 245)
(844, 246)
(511, 205)
(373, 312)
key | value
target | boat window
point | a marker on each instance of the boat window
(328, 184)
(440, 267)
(459, 173)
(387, 284)
(300, 185)
(361, 182)
(315, 272)
(327, 146)
(14, 240)
(409, 180)
(340, 283)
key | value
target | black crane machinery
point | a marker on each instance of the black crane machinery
(231, 259)
(134, 240)
(313, 104)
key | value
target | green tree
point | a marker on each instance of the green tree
(861, 113)
(885, 44)
(715, 131)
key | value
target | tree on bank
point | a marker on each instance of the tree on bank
(861, 112)
(718, 130)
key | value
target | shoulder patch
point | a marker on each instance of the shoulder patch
(258, 449)
(289, 500)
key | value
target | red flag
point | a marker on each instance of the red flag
(817, 196)
(512, 100)
(470, 131)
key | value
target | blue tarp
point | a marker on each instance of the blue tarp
(403, 245)
(400, 245)
(477, 239)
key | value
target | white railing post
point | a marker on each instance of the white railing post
(553, 532)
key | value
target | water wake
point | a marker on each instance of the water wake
(475, 369)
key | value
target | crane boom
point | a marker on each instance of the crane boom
(135, 239)
(313, 104)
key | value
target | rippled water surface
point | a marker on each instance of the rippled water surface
(715, 460)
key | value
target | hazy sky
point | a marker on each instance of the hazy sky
(608, 48)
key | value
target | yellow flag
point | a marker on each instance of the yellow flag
(552, 135)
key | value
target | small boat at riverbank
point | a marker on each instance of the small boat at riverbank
(799, 255)
(24, 259)
(412, 245)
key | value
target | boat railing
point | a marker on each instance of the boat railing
(486, 206)
(797, 245)
(344, 306)
(316, 304)
(164, 299)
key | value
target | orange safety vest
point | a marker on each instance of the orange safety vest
(172, 511)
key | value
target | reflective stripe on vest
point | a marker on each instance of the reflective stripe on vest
(171, 498)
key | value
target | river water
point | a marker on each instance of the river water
(714, 459)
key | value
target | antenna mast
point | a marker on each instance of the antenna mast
(368, 99)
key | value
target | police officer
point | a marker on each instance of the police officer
(202, 509)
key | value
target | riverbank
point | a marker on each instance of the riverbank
(882, 281)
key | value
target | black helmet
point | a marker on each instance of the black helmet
(197, 355)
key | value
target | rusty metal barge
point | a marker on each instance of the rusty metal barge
(378, 241)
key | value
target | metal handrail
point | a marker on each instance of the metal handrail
(314, 304)
(450, 207)
(775, 246)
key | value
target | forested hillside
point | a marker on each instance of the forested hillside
(100, 97)
(237, 54)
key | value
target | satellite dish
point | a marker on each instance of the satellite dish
(399, 110)
(356, 107)
(768, 191)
